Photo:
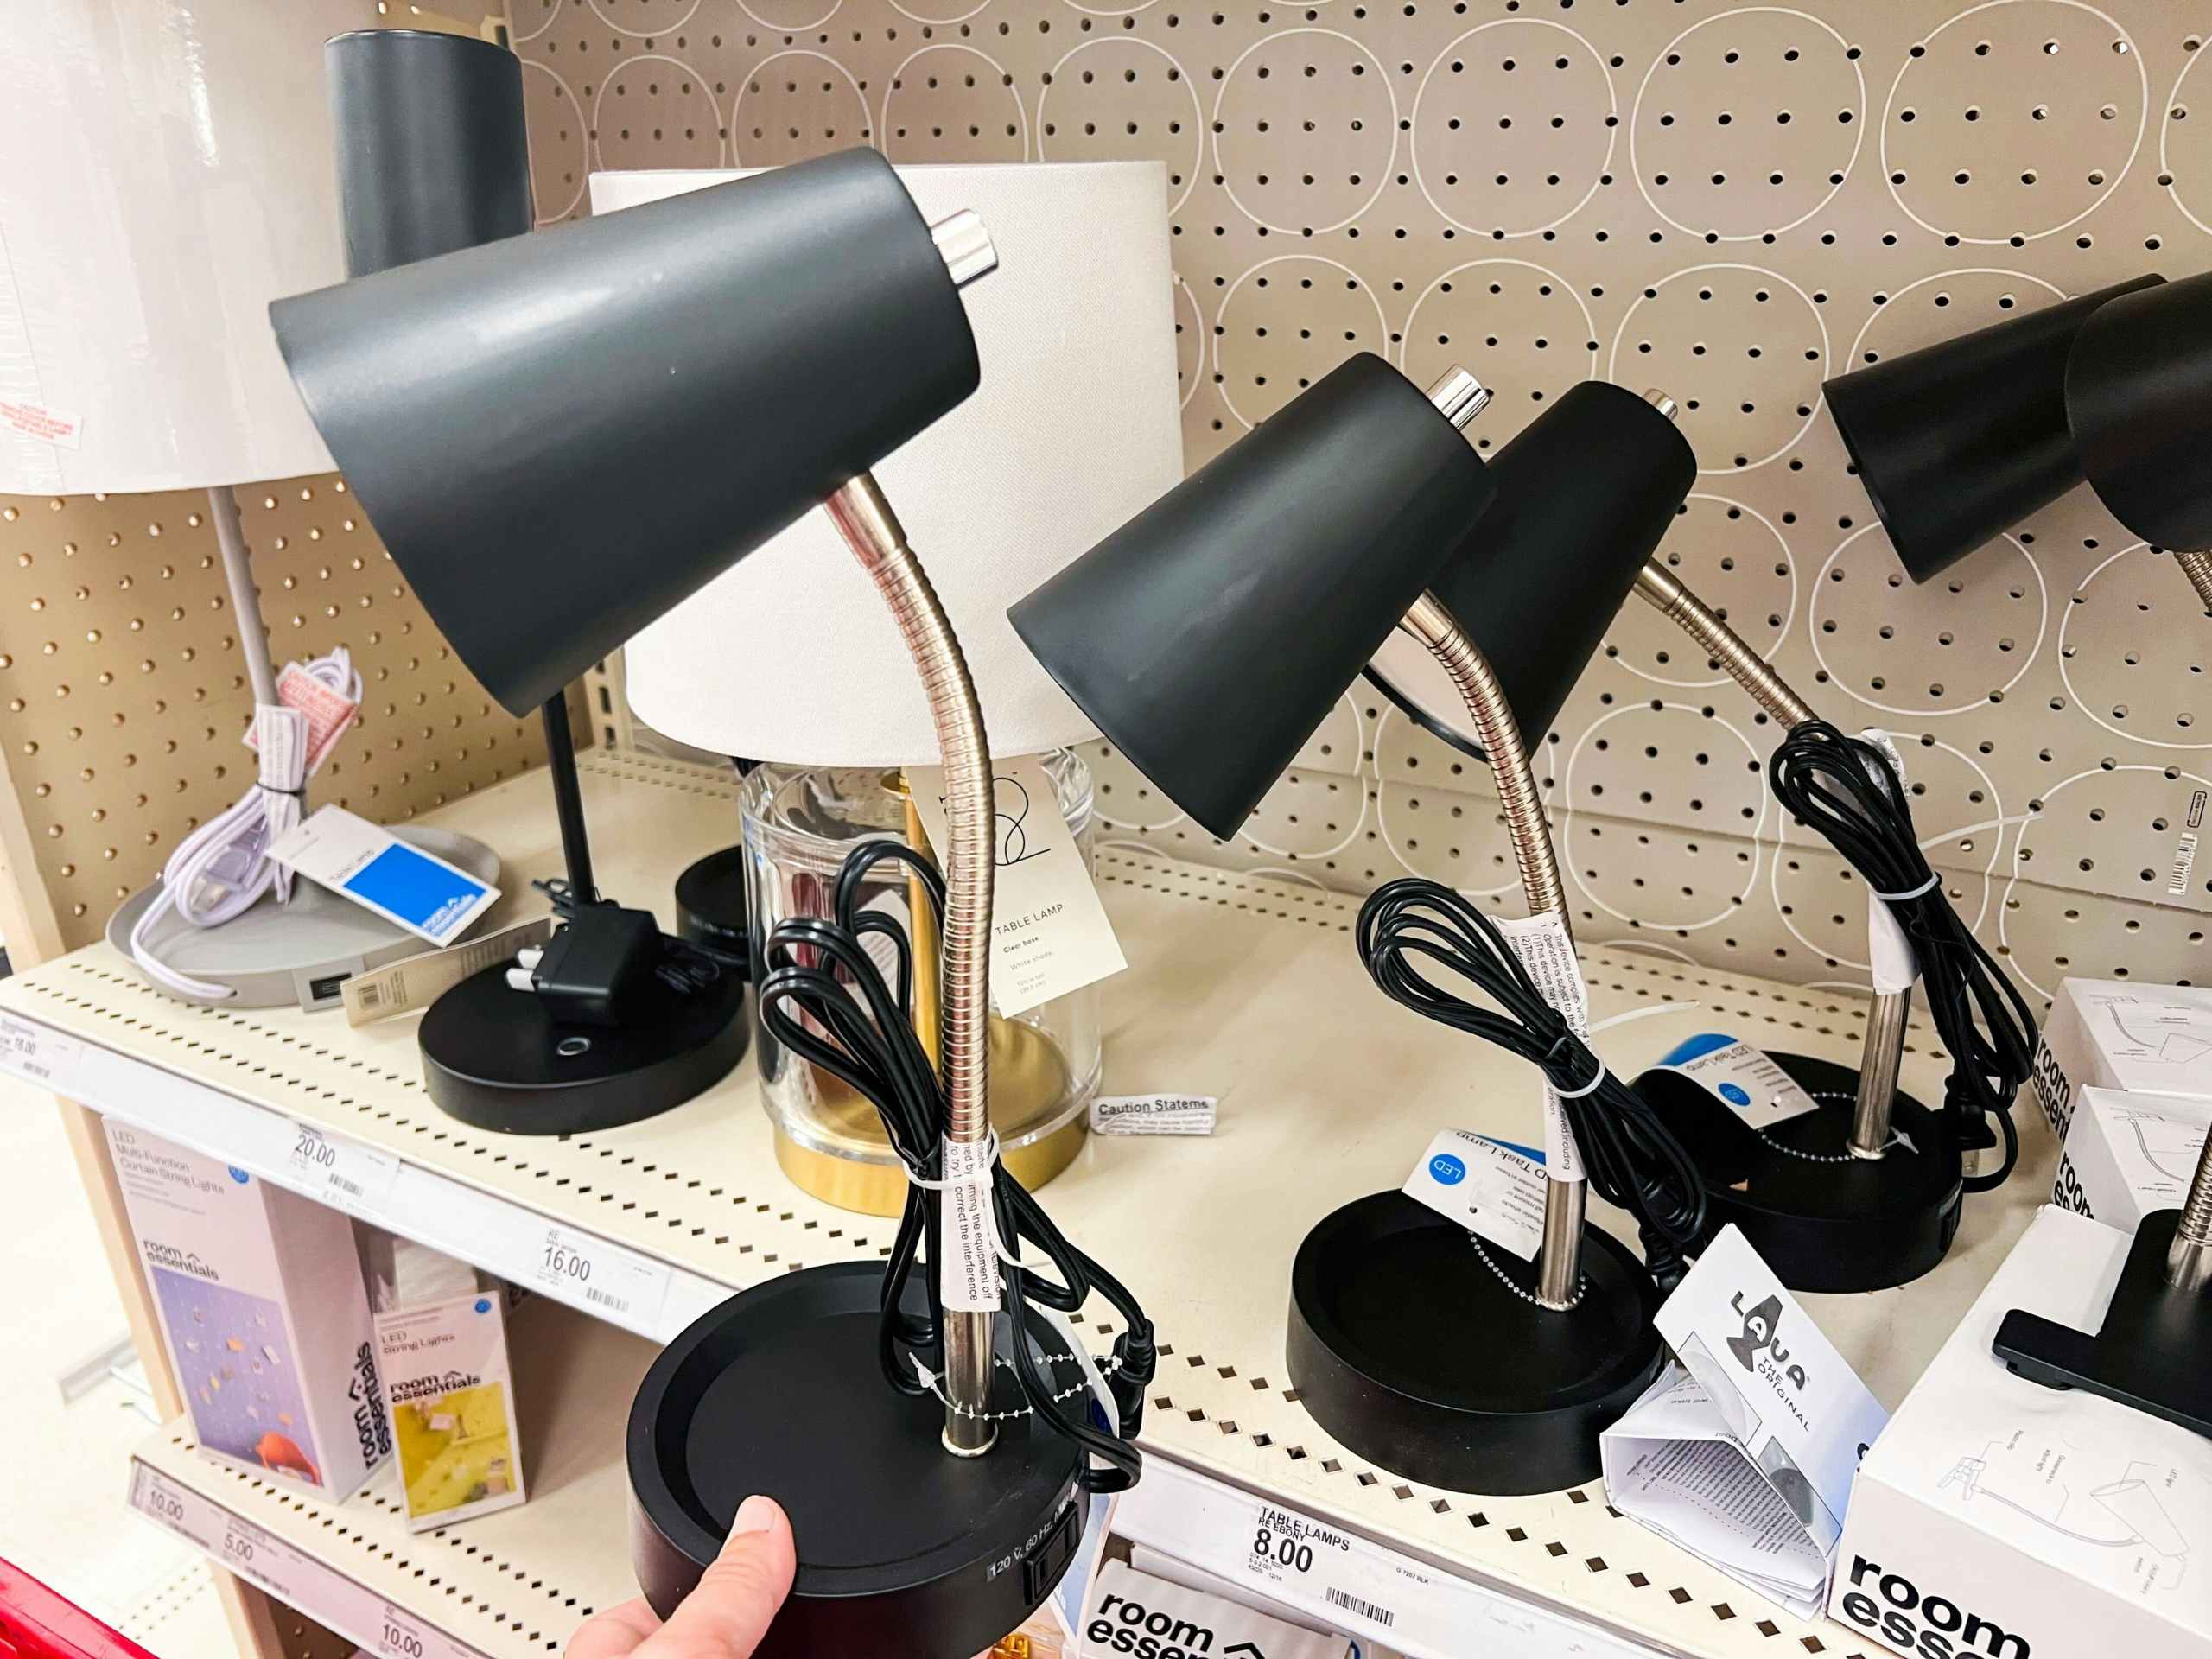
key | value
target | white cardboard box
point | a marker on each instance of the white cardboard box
(268, 1320)
(2128, 1155)
(2106, 1033)
(1998, 1519)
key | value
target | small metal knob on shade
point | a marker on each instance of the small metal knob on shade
(1659, 401)
(1458, 397)
(964, 243)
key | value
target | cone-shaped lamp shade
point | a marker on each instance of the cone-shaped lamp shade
(1584, 495)
(560, 435)
(2138, 394)
(431, 151)
(1959, 441)
(1210, 635)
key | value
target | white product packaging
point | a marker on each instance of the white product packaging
(267, 1323)
(1743, 1451)
(2106, 1034)
(2128, 1155)
(452, 1399)
(1998, 1519)
(1128, 1612)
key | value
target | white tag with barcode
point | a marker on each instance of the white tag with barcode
(1494, 1190)
(1153, 1114)
(968, 1277)
(1546, 950)
(589, 1273)
(340, 1172)
(37, 1055)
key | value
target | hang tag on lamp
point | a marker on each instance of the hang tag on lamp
(1049, 932)
(1493, 1189)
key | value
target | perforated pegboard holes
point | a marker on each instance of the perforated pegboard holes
(1448, 837)
(1190, 341)
(1123, 100)
(1522, 330)
(1405, 752)
(1312, 160)
(1734, 558)
(2135, 653)
(1127, 804)
(1748, 123)
(1960, 642)
(2185, 141)
(1665, 763)
(949, 103)
(1514, 127)
(1944, 306)
(797, 104)
(640, 18)
(560, 163)
(1285, 323)
(2013, 120)
(791, 15)
(1741, 349)
(655, 111)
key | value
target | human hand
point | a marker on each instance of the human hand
(725, 1616)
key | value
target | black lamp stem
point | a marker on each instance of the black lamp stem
(568, 798)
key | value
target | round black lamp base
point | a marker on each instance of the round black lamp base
(710, 902)
(1410, 1346)
(1822, 1219)
(902, 1547)
(493, 1059)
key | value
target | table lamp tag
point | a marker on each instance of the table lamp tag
(1546, 950)
(1749, 1079)
(382, 874)
(968, 1277)
(1493, 1190)
(1049, 931)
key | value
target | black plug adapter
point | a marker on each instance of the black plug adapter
(594, 970)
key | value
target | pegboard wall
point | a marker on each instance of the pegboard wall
(1729, 203)
(123, 696)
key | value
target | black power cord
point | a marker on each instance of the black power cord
(826, 1001)
(1631, 1158)
(1844, 788)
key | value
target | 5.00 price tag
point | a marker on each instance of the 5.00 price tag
(602, 1278)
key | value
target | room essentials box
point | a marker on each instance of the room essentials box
(2128, 1155)
(441, 1349)
(1997, 1518)
(2107, 1034)
(268, 1322)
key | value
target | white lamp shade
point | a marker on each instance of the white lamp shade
(169, 172)
(790, 655)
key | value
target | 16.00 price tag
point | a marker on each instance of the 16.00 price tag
(601, 1278)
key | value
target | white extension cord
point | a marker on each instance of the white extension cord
(222, 869)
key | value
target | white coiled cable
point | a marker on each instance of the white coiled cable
(222, 869)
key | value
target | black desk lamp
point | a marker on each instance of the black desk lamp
(1207, 638)
(1834, 1200)
(603, 416)
(432, 157)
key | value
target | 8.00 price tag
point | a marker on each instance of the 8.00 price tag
(601, 1278)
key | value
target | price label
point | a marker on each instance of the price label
(157, 1500)
(601, 1278)
(37, 1055)
(398, 1637)
(340, 1173)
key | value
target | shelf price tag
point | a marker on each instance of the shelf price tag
(601, 1278)
(37, 1055)
(340, 1173)
(398, 1637)
(157, 1499)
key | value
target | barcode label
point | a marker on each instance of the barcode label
(1365, 1609)
(603, 1298)
(372, 995)
(351, 1189)
(2184, 863)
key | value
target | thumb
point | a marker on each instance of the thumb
(729, 1610)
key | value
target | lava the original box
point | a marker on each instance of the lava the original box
(267, 1319)
(2107, 1034)
(2128, 1155)
(1998, 1519)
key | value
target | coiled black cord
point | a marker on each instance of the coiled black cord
(1844, 788)
(1631, 1158)
(826, 1000)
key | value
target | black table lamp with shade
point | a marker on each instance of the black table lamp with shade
(736, 357)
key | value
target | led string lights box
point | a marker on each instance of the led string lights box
(922, 1428)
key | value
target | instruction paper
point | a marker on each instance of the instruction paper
(382, 874)
(1049, 931)
(1493, 1190)
(1748, 1079)
(1154, 1114)
(1744, 1450)
(1546, 950)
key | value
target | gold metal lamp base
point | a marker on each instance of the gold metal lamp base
(853, 1167)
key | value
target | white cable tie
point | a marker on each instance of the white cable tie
(1589, 1088)
(1929, 886)
(984, 1175)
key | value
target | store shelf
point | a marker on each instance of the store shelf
(1243, 988)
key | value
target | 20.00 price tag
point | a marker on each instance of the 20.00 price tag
(340, 1173)
(601, 1278)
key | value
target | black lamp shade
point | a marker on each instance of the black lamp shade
(1959, 441)
(561, 435)
(431, 150)
(1585, 494)
(1209, 636)
(2139, 396)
